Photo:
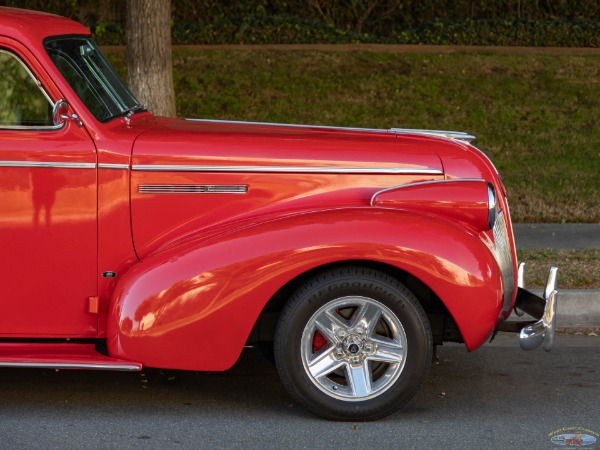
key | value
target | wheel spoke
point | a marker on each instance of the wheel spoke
(365, 351)
(387, 350)
(359, 378)
(324, 363)
(367, 317)
(328, 324)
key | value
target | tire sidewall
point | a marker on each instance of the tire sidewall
(380, 288)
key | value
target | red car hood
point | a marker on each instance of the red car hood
(178, 143)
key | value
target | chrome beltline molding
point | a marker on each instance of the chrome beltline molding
(288, 169)
(50, 365)
(62, 165)
(227, 169)
(113, 166)
(191, 189)
(45, 164)
(458, 135)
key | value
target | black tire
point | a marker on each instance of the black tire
(353, 344)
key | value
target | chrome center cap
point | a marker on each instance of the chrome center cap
(353, 345)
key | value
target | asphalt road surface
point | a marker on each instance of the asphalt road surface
(497, 397)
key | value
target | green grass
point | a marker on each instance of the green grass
(536, 116)
(577, 269)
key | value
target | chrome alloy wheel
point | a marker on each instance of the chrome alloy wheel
(353, 348)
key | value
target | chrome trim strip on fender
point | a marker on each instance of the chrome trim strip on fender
(287, 169)
(113, 166)
(421, 183)
(44, 164)
(191, 189)
(49, 365)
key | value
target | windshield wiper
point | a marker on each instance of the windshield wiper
(131, 111)
(127, 113)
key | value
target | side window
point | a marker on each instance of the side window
(23, 103)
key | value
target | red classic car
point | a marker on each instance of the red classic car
(132, 240)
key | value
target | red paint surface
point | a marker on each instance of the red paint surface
(194, 271)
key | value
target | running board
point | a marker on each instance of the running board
(60, 356)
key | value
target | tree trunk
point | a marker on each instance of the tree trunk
(149, 62)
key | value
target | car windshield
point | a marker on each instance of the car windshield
(92, 77)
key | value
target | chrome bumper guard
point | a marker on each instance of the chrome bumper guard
(540, 332)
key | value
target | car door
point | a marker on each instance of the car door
(48, 210)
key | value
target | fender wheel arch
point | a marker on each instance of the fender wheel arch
(443, 326)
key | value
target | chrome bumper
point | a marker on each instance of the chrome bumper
(544, 309)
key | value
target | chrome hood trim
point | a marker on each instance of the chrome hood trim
(454, 135)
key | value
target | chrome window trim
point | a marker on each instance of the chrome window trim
(192, 189)
(286, 169)
(420, 183)
(32, 128)
(113, 166)
(45, 165)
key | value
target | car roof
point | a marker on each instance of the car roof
(31, 27)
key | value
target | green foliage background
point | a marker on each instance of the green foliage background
(564, 23)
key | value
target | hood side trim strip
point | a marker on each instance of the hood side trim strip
(287, 169)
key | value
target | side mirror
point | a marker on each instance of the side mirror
(60, 113)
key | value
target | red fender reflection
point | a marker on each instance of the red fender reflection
(463, 200)
(194, 307)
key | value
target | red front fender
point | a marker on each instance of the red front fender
(193, 307)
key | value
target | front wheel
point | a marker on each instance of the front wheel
(353, 344)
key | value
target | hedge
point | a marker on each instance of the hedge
(557, 23)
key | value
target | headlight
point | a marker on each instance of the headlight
(492, 206)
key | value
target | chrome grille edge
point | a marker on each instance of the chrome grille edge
(503, 254)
